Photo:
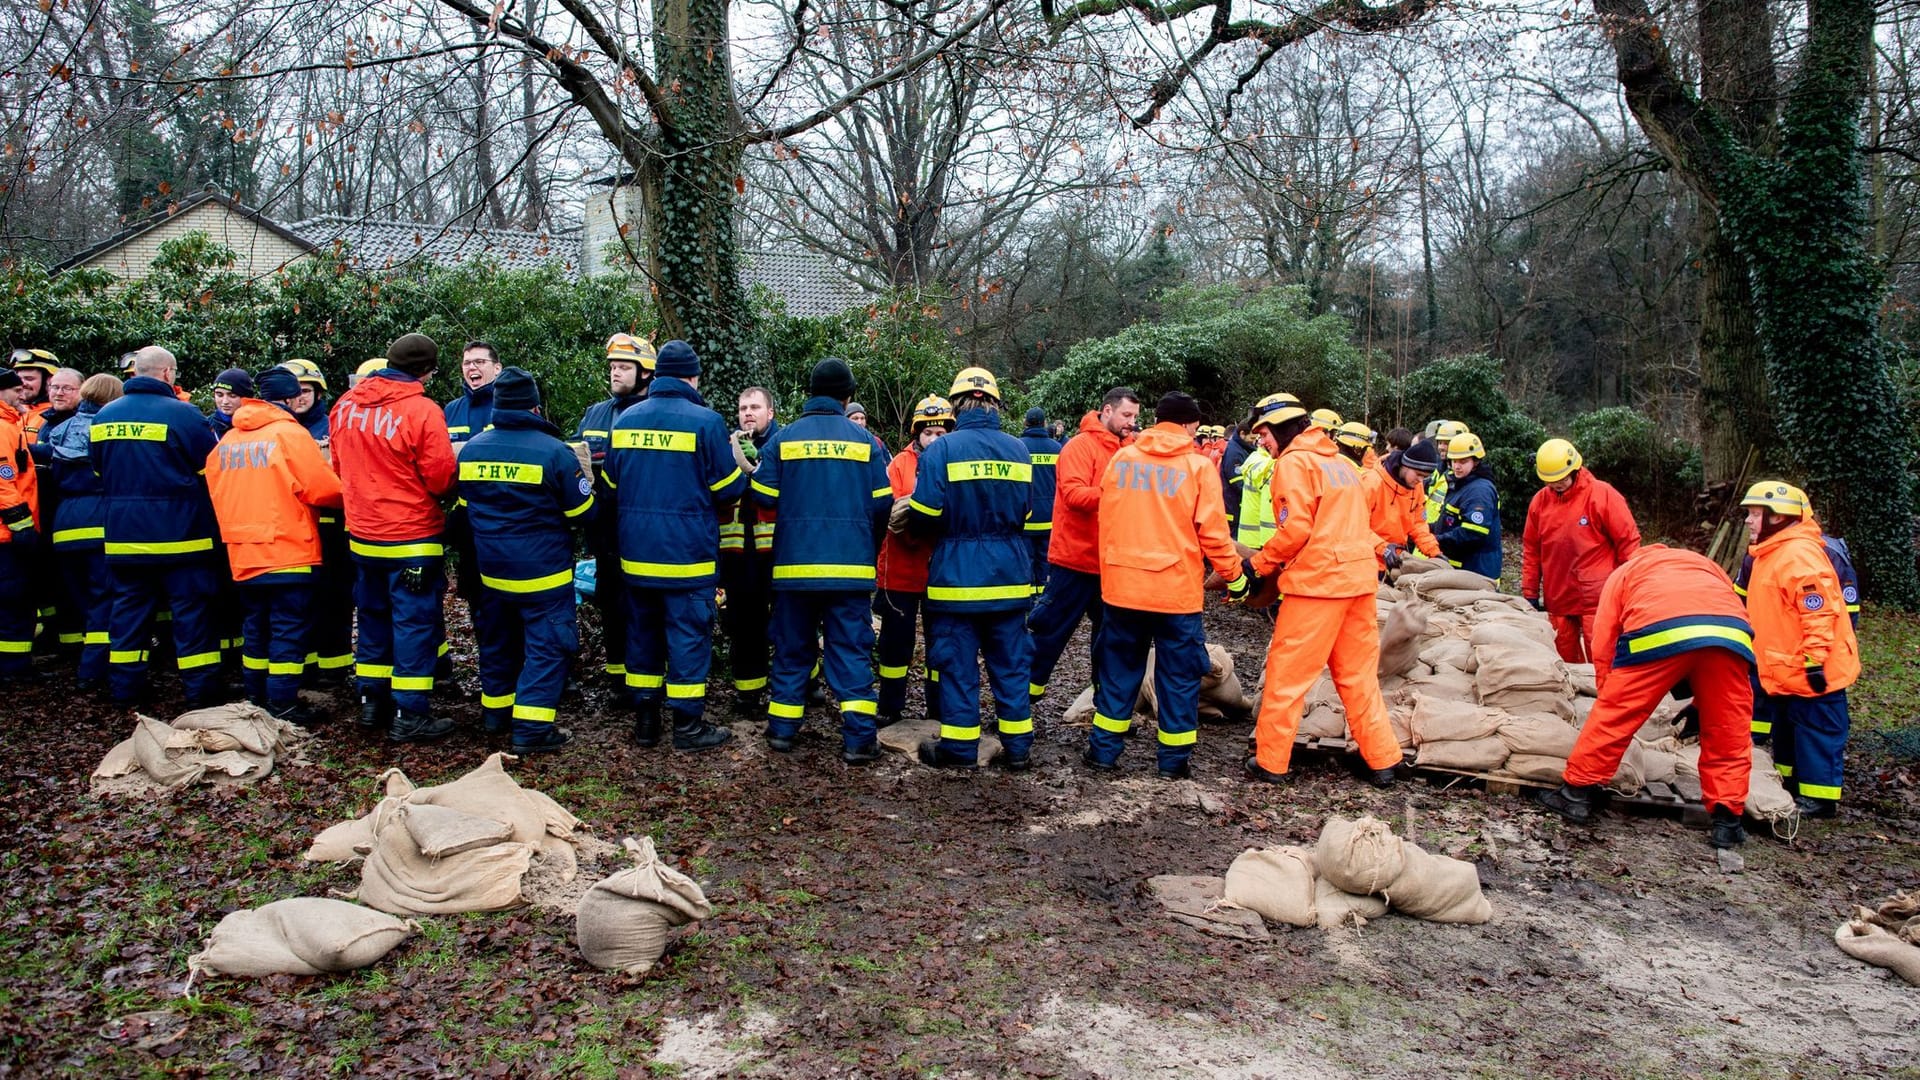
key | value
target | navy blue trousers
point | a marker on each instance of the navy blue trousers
(84, 566)
(17, 612)
(1179, 648)
(1070, 594)
(898, 612)
(526, 642)
(188, 587)
(840, 619)
(400, 630)
(1040, 541)
(276, 628)
(955, 646)
(1809, 741)
(670, 646)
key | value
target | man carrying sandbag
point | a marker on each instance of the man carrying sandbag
(1667, 619)
(1396, 499)
(1578, 530)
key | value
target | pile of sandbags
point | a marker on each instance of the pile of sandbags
(307, 935)
(1886, 936)
(1221, 696)
(455, 847)
(236, 743)
(627, 921)
(1358, 870)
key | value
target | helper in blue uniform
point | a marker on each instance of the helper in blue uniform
(149, 448)
(524, 490)
(974, 491)
(79, 525)
(629, 368)
(1044, 449)
(746, 561)
(1469, 527)
(832, 494)
(671, 470)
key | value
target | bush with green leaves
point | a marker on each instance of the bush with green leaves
(1656, 472)
(896, 347)
(1469, 389)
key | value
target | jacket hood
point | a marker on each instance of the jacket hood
(1582, 480)
(978, 418)
(1090, 425)
(254, 414)
(1163, 440)
(1312, 441)
(1804, 529)
(1036, 433)
(147, 384)
(667, 386)
(384, 387)
(478, 395)
(523, 420)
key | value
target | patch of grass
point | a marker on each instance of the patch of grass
(1887, 697)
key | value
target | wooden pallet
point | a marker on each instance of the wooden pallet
(1656, 797)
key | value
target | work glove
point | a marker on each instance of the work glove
(1394, 557)
(1238, 588)
(1817, 678)
(415, 580)
(1539, 605)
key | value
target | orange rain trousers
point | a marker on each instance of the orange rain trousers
(1721, 690)
(1573, 637)
(1315, 633)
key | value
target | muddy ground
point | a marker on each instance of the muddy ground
(895, 921)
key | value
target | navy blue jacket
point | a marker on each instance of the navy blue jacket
(1469, 525)
(470, 413)
(748, 528)
(316, 420)
(80, 510)
(596, 425)
(978, 481)
(670, 470)
(1044, 449)
(820, 473)
(150, 449)
(1230, 462)
(523, 490)
(219, 423)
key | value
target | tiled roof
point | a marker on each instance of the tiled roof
(806, 279)
(383, 245)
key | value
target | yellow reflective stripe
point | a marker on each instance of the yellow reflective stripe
(11, 647)
(889, 671)
(197, 660)
(1179, 738)
(582, 508)
(771, 493)
(397, 551)
(1739, 590)
(459, 429)
(686, 691)
(1108, 723)
(961, 734)
(534, 713)
(750, 684)
(1471, 527)
(98, 637)
(645, 439)
(1763, 727)
(1035, 690)
(443, 649)
(128, 429)
(1690, 633)
(784, 711)
(933, 676)
(930, 511)
(496, 701)
(1018, 471)
(666, 570)
(825, 449)
(329, 519)
(592, 433)
(979, 592)
(529, 585)
(74, 536)
(863, 708)
(1784, 770)
(615, 669)
(166, 547)
(1046, 459)
(1820, 791)
(254, 663)
(127, 656)
(413, 682)
(71, 638)
(284, 667)
(505, 472)
(373, 671)
(882, 492)
(733, 528)
(645, 682)
(823, 570)
(1016, 727)
(1039, 526)
(725, 480)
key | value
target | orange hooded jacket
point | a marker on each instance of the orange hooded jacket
(1573, 541)
(267, 477)
(1076, 496)
(1799, 614)
(19, 481)
(1323, 544)
(903, 556)
(393, 453)
(1397, 513)
(1170, 525)
(1664, 601)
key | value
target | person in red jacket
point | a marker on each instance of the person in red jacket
(1073, 555)
(1578, 530)
(268, 480)
(396, 462)
(19, 532)
(1667, 617)
(902, 570)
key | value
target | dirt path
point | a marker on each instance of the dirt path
(895, 921)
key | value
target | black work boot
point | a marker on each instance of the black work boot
(1094, 763)
(376, 713)
(931, 753)
(1727, 830)
(886, 720)
(1262, 776)
(1383, 778)
(495, 721)
(1182, 771)
(1013, 762)
(751, 704)
(1570, 802)
(646, 723)
(412, 727)
(1811, 807)
(292, 712)
(539, 738)
(692, 733)
(864, 754)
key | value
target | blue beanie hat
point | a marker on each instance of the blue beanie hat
(676, 360)
(515, 389)
(277, 384)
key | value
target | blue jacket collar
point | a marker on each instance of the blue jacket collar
(668, 386)
(822, 406)
(147, 384)
(1036, 433)
(760, 440)
(522, 420)
(482, 396)
(977, 418)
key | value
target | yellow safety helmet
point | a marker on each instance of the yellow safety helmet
(1556, 460)
(932, 409)
(1779, 497)
(370, 365)
(1466, 445)
(1326, 419)
(1271, 400)
(1279, 412)
(975, 380)
(632, 349)
(1447, 429)
(305, 371)
(1355, 434)
(38, 359)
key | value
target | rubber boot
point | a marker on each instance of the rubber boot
(1570, 802)
(1816, 808)
(750, 704)
(539, 737)
(692, 733)
(1383, 778)
(376, 713)
(1727, 830)
(495, 721)
(1094, 763)
(864, 754)
(646, 723)
(932, 754)
(292, 712)
(1013, 762)
(413, 727)
(1182, 771)
(1261, 776)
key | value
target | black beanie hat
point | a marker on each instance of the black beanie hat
(274, 384)
(676, 360)
(1036, 417)
(515, 389)
(415, 354)
(1422, 456)
(1177, 408)
(9, 379)
(831, 378)
(235, 381)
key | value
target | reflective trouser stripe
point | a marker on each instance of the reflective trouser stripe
(853, 571)
(666, 570)
(1763, 727)
(750, 684)
(197, 660)
(334, 663)
(373, 671)
(784, 711)
(16, 646)
(865, 708)
(645, 682)
(961, 734)
(397, 551)
(127, 656)
(1820, 791)
(534, 713)
(98, 637)
(528, 585)
(616, 669)
(1035, 690)
(980, 592)
(286, 667)
(686, 691)
(1108, 723)
(889, 671)
(413, 682)
(1016, 727)
(496, 701)
(1179, 738)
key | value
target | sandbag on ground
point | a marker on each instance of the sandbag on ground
(1334, 909)
(1437, 719)
(1468, 755)
(1198, 901)
(306, 935)
(1437, 888)
(236, 743)
(1535, 733)
(1275, 882)
(398, 877)
(1325, 722)
(1358, 856)
(627, 921)
(1400, 638)
(1767, 797)
(1876, 945)
(1541, 767)
(1221, 696)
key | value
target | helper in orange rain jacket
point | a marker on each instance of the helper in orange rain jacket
(902, 592)
(1573, 540)
(1323, 550)
(19, 534)
(1170, 524)
(1397, 511)
(268, 480)
(1073, 555)
(1665, 619)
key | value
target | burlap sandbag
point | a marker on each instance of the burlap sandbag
(1658, 766)
(1334, 909)
(1446, 681)
(1876, 945)
(1220, 693)
(1506, 667)
(163, 765)
(1419, 565)
(1534, 733)
(489, 792)
(1447, 650)
(1080, 713)
(1452, 579)
(1582, 708)
(1584, 680)
(239, 726)
(306, 935)
(1276, 882)
(1468, 755)
(1535, 638)
(1400, 638)
(1767, 797)
(399, 878)
(1359, 856)
(1324, 722)
(1439, 720)
(1631, 776)
(1542, 767)
(1388, 593)
(342, 842)
(1458, 599)
(1400, 718)
(439, 831)
(626, 921)
(1505, 604)
(1540, 702)
(1437, 888)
